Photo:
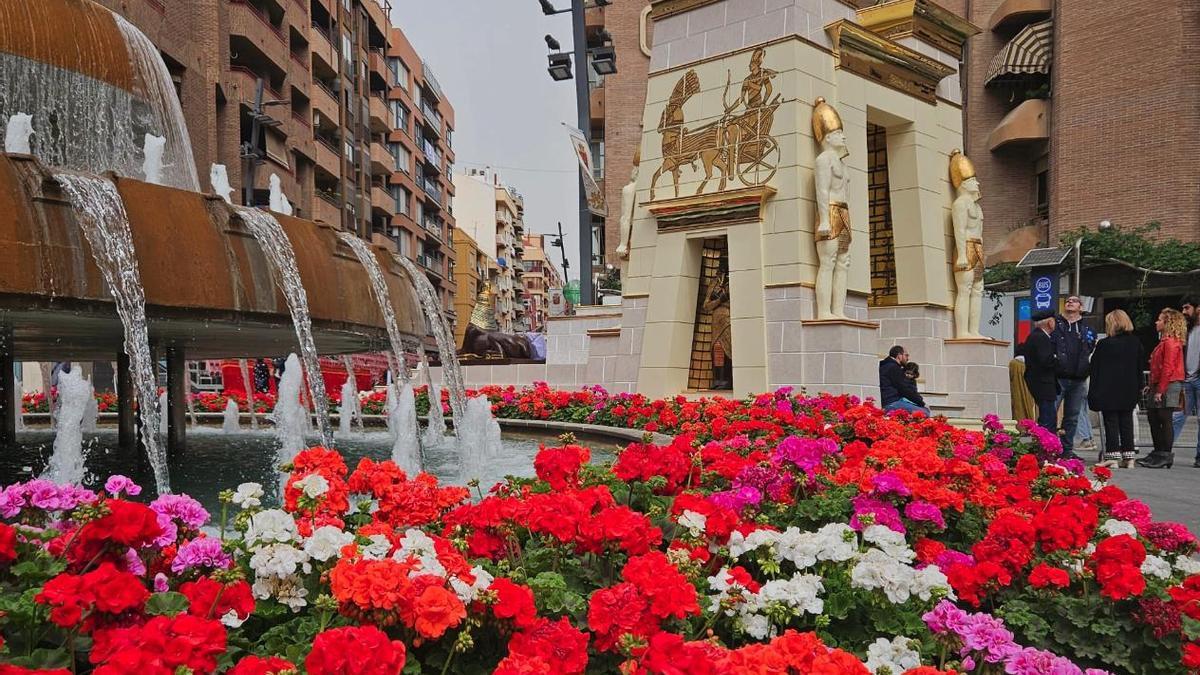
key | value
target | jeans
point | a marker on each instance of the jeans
(906, 405)
(1084, 430)
(1072, 394)
(1118, 431)
(1191, 398)
(1047, 414)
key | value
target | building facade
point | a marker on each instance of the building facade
(1072, 118)
(473, 270)
(540, 275)
(346, 113)
(493, 215)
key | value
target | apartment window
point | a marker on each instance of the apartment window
(598, 159)
(405, 246)
(402, 156)
(449, 137)
(349, 149)
(400, 73)
(347, 50)
(1043, 194)
(400, 116)
(403, 198)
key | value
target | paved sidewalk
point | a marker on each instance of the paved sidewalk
(1173, 494)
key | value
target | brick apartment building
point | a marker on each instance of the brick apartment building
(539, 275)
(493, 217)
(617, 105)
(1079, 111)
(355, 124)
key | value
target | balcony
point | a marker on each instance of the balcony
(377, 67)
(1028, 122)
(379, 11)
(433, 118)
(328, 157)
(1012, 14)
(252, 23)
(382, 200)
(432, 156)
(382, 162)
(379, 113)
(433, 226)
(322, 48)
(325, 102)
(327, 209)
(430, 187)
(597, 104)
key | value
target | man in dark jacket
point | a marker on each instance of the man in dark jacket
(1073, 345)
(897, 391)
(1041, 368)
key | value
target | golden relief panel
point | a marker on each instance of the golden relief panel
(737, 147)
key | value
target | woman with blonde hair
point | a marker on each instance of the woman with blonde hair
(1166, 386)
(1116, 383)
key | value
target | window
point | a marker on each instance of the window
(347, 51)
(449, 137)
(399, 116)
(400, 73)
(403, 198)
(1043, 194)
(405, 246)
(402, 156)
(598, 159)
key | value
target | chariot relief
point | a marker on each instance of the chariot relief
(738, 145)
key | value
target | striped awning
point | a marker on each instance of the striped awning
(1029, 53)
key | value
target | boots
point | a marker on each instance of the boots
(1157, 460)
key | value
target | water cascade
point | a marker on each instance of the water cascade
(230, 424)
(379, 290)
(435, 427)
(278, 202)
(152, 158)
(162, 417)
(17, 133)
(249, 387)
(100, 126)
(105, 224)
(290, 414)
(348, 410)
(478, 436)
(66, 464)
(406, 451)
(278, 250)
(18, 405)
(218, 178)
(91, 410)
(187, 396)
(451, 372)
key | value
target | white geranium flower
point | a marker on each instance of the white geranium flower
(693, 522)
(248, 495)
(279, 560)
(896, 655)
(289, 591)
(1155, 566)
(272, 525)
(756, 626)
(231, 619)
(378, 548)
(801, 592)
(1113, 527)
(878, 570)
(839, 543)
(468, 592)
(740, 544)
(417, 544)
(326, 541)
(313, 485)
(1187, 564)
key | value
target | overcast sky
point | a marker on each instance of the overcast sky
(490, 58)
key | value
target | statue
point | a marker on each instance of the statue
(968, 244)
(218, 178)
(716, 303)
(484, 342)
(833, 223)
(628, 205)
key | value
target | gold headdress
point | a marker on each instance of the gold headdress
(961, 168)
(825, 119)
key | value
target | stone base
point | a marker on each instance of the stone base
(976, 375)
(836, 356)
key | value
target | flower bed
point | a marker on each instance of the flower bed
(775, 535)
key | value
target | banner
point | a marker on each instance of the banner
(595, 196)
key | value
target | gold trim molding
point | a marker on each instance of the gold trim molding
(731, 207)
(925, 20)
(854, 323)
(663, 8)
(977, 341)
(880, 60)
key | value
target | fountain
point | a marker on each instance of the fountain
(278, 202)
(162, 419)
(101, 215)
(451, 373)
(290, 414)
(379, 289)
(152, 162)
(112, 103)
(218, 178)
(249, 386)
(278, 249)
(17, 133)
(91, 410)
(478, 435)
(402, 420)
(66, 464)
(18, 405)
(230, 424)
(435, 428)
(348, 409)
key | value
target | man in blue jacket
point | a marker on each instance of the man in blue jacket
(1073, 345)
(896, 390)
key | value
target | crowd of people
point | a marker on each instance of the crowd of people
(1065, 366)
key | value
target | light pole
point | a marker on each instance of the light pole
(606, 64)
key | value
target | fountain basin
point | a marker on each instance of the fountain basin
(208, 285)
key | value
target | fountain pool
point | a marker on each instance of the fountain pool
(218, 461)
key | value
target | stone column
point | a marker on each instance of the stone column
(126, 420)
(176, 411)
(8, 383)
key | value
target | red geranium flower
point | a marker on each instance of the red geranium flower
(344, 651)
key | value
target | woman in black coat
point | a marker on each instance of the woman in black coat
(1115, 387)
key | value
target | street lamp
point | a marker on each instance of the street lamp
(560, 67)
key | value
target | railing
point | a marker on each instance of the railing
(256, 76)
(432, 154)
(430, 187)
(266, 20)
(432, 116)
(431, 80)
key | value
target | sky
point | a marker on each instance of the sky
(490, 58)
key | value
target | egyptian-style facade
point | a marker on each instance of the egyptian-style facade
(719, 289)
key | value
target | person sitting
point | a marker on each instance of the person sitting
(897, 391)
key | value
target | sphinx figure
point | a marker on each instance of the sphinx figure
(833, 214)
(968, 247)
(628, 204)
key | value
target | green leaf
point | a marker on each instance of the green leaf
(166, 604)
(44, 659)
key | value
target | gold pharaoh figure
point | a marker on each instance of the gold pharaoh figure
(967, 217)
(833, 233)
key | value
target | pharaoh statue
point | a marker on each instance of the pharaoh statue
(833, 214)
(716, 303)
(968, 247)
(628, 205)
